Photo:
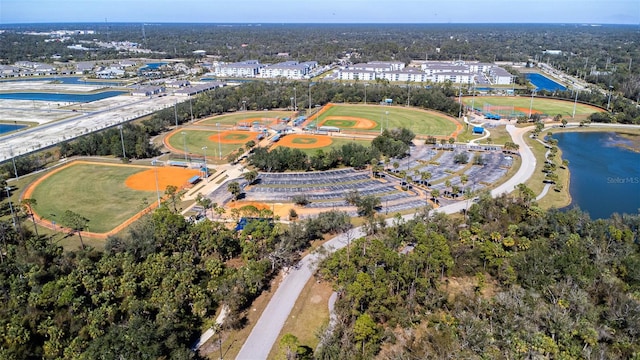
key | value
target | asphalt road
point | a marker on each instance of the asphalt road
(267, 329)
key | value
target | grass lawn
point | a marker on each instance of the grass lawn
(419, 121)
(550, 107)
(309, 313)
(553, 198)
(196, 140)
(96, 192)
(234, 118)
(499, 135)
(336, 143)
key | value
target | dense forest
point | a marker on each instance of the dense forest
(148, 295)
(603, 55)
(507, 281)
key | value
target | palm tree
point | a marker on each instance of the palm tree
(205, 202)
(77, 223)
(425, 176)
(435, 193)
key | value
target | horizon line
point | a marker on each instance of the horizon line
(317, 23)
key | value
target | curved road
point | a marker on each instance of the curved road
(266, 331)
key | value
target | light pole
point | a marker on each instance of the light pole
(365, 93)
(13, 217)
(206, 167)
(184, 139)
(155, 168)
(309, 97)
(219, 144)
(13, 159)
(318, 115)
(124, 154)
(244, 105)
(175, 112)
(575, 101)
(292, 108)
(191, 108)
(295, 100)
(386, 117)
(609, 100)
(531, 104)
(460, 100)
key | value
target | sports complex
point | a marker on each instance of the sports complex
(112, 196)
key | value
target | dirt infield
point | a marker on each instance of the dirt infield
(234, 137)
(305, 141)
(525, 110)
(360, 123)
(146, 180)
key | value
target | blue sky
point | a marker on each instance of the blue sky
(325, 11)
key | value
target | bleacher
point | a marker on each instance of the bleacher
(194, 179)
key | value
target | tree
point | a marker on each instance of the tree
(27, 206)
(205, 202)
(365, 331)
(251, 176)
(451, 140)
(235, 189)
(564, 122)
(75, 222)
(249, 144)
(461, 158)
(172, 192)
(435, 193)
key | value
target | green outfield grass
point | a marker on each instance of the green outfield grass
(242, 116)
(419, 121)
(550, 107)
(344, 124)
(336, 143)
(197, 139)
(97, 192)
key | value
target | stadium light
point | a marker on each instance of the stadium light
(184, 139)
(13, 217)
(206, 167)
(153, 163)
(124, 154)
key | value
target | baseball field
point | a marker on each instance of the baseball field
(109, 195)
(373, 118)
(312, 143)
(265, 118)
(522, 104)
(193, 142)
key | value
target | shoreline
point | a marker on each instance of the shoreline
(633, 130)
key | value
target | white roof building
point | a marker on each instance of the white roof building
(249, 68)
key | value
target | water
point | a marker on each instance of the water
(7, 128)
(542, 82)
(60, 97)
(70, 80)
(153, 66)
(605, 178)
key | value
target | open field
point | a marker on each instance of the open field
(499, 135)
(265, 117)
(521, 104)
(197, 139)
(374, 117)
(106, 194)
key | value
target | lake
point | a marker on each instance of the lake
(7, 128)
(542, 82)
(605, 177)
(60, 97)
